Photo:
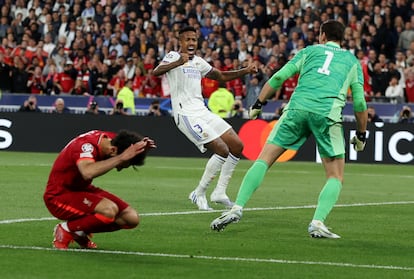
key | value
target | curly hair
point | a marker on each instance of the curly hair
(125, 139)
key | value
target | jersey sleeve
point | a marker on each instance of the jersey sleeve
(170, 57)
(277, 80)
(203, 66)
(357, 88)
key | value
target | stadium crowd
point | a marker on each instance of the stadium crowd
(98, 47)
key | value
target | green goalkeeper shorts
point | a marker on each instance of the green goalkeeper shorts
(295, 126)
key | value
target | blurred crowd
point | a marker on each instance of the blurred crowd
(97, 47)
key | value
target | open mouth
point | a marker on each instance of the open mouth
(191, 51)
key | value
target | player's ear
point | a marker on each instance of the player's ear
(113, 151)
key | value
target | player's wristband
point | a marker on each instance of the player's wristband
(362, 136)
(258, 104)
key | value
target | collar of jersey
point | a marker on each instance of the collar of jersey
(333, 44)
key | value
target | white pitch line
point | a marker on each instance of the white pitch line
(22, 220)
(201, 257)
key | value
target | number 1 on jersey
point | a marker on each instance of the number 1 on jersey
(324, 70)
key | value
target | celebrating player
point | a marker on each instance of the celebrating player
(205, 129)
(326, 72)
(70, 195)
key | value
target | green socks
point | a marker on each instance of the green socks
(255, 175)
(251, 182)
(327, 198)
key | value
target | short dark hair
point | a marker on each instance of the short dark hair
(125, 139)
(334, 30)
(187, 29)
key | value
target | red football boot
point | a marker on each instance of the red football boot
(62, 238)
(84, 241)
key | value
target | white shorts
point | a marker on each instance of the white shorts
(203, 128)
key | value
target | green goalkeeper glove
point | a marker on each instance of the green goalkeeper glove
(256, 109)
(359, 141)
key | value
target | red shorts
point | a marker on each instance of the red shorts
(73, 205)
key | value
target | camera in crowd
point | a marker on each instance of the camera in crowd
(119, 105)
(94, 104)
(406, 113)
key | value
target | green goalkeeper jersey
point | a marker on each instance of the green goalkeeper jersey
(326, 73)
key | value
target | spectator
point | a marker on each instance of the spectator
(79, 89)
(127, 96)
(93, 109)
(372, 115)
(19, 76)
(51, 81)
(238, 110)
(254, 83)
(84, 75)
(5, 74)
(116, 83)
(406, 36)
(59, 57)
(129, 68)
(156, 110)
(103, 77)
(409, 84)
(59, 107)
(151, 84)
(118, 108)
(406, 115)
(208, 86)
(221, 102)
(36, 82)
(138, 83)
(65, 80)
(30, 105)
(379, 83)
(394, 91)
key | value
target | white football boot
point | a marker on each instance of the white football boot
(221, 198)
(226, 218)
(317, 229)
(199, 200)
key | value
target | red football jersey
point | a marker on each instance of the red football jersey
(65, 174)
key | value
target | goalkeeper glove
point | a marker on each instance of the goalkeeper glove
(359, 141)
(256, 109)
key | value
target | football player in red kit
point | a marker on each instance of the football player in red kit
(85, 208)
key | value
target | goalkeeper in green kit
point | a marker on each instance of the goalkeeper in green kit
(326, 72)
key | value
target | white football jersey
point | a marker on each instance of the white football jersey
(185, 84)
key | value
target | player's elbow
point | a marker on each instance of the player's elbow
(87, 175)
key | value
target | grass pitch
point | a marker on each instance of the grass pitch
(374, 216)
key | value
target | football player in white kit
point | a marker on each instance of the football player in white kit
(184, 70)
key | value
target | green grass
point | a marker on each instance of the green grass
(269, 242)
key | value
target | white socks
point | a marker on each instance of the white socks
(226, 173)
(215, 164)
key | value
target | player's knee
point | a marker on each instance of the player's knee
(238, 148)
(220, 148)
(131, 219)
(107, 208)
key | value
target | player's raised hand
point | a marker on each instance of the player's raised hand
(252, 68)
